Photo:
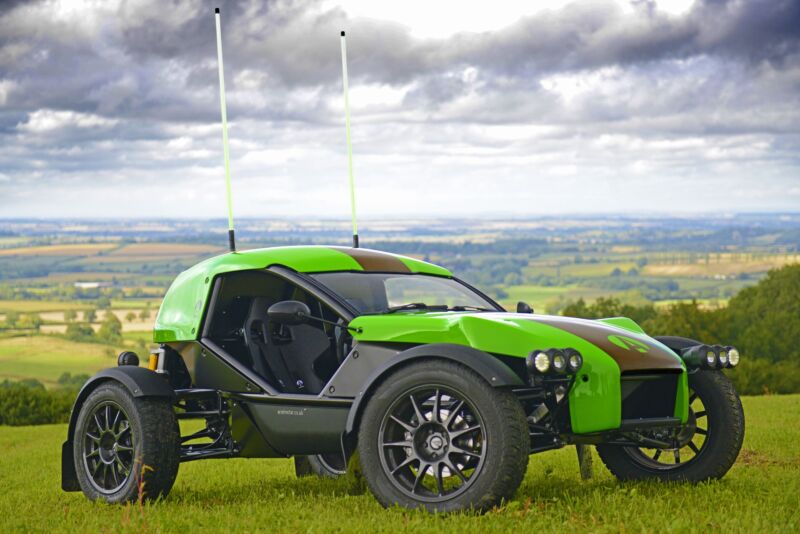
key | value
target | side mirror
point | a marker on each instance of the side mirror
(524, 307)
(289, 312)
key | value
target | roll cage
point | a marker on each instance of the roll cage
(349, 312)
(257, 379)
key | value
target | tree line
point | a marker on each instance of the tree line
(762, 321)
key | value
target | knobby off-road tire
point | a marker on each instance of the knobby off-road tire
(723, 421)
(124, 446)
(453, 423)
(321, 465)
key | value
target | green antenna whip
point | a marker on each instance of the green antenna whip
(349, 144)
(231, 239)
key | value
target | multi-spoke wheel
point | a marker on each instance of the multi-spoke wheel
(431, 442)
(437, 435)
(705, 447)
(125, 447)
(108, 447)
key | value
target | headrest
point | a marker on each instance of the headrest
(258, 308)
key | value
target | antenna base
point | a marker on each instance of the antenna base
(355, 240)
(231, 240)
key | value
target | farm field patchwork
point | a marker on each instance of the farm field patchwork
(541, 297)
(758, 495)
(75, 249)
(39, 306)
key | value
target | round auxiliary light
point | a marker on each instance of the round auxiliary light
(711, 358)
(733, 357)
(541, 362)
(559, 361)
(723, 358)
(574, 360)
(128, 358)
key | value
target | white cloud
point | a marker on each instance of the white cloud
(6, 86)
(48, 120)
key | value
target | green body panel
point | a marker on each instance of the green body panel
(185, 301)
(682, 398)
(595, 404)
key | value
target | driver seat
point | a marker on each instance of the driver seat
(268, 360)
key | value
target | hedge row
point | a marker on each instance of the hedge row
(29, 403)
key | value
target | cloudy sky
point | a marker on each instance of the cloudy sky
(490, 108)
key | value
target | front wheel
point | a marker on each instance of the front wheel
(436, 435)
(125, 448)
(705, 448)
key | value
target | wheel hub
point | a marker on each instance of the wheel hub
(430, 441)
(108, 447)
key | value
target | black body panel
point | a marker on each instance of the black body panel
(648, 396)
(301, 428)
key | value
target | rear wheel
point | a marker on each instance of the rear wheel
(125, 448)
(436, 435)
(322, 465)
(705, 448)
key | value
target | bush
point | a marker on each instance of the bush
(79, 332)
(28, 403)
(72, 381)
(110, 329)
(764, 319)
(609, 307)
(758, 376)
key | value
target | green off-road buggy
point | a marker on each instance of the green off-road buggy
(323, 352)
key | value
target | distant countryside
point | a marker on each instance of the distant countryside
(75, 293)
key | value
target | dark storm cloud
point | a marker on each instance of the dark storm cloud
(160, 63)
(130, 88)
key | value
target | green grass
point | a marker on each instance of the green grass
(47, 357)
(758, 495)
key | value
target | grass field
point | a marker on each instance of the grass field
(758, 495)
(46, 358)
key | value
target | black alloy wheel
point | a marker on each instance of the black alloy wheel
(125, 448)
(436, 435)
(432, 443)
(108, 447)
(704, 448)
